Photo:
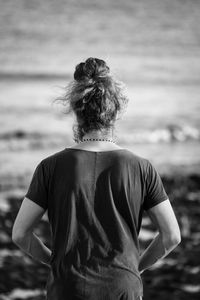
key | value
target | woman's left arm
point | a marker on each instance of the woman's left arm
(27, 218)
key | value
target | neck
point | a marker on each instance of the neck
(99, 135)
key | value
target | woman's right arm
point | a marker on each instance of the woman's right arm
(168, 237)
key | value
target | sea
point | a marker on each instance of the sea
(152, 46)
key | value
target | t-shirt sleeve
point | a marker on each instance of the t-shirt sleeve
(155, 192)
(38, 190)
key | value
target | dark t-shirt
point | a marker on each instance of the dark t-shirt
(95, 202)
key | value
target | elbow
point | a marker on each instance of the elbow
(175, 239)
(17, 237)
(171, 241)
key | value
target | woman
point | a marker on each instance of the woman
(95, 193)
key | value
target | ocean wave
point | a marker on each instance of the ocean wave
(169, 134)
(26, 75)
(20, 139)
(20, 134)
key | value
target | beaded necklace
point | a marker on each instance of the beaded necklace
(97, 139)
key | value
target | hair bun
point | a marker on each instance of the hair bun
(92, 68)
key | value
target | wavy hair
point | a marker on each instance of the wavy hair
(94, 96)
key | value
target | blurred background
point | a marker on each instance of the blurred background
(153, 46)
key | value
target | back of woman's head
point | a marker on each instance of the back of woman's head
(94, 96)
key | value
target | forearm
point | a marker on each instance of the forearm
(156, 250)
(33, 246)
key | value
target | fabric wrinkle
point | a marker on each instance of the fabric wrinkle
(95, 202)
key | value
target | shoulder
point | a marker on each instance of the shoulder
(136, 159)
(132, 161)
(49, 161)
